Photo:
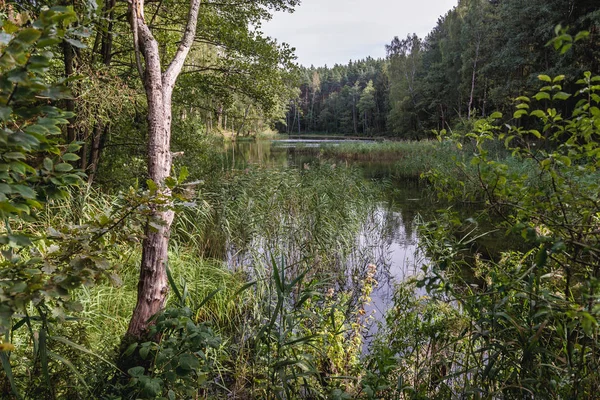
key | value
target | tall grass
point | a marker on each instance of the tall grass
(222, 255)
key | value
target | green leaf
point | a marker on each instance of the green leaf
(75, 43)
(545, 78)
(63, 167)
(28, 36)
(19, 240)
(496, 115)
(130, 349)
(582, 35)
(188, 362)
(5, 113)
(519, 113)
(542, 96)
(5, 360)
(538, 114)
(151, 185)
(536, 133)
(48, 164)
(136, 372)
(70, 157)
(144, 351)
(14, 156)
(25, 191)
(561, 96)
(183, 174)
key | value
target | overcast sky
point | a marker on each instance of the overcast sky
(335, 31)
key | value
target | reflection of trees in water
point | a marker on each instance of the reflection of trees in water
(387, 237)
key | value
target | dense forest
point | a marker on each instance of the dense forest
(162, 238)
(479, 57)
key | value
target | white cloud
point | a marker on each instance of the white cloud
(335, 31)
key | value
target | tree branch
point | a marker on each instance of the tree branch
(176, 65)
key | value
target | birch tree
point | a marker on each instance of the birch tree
(158, 85)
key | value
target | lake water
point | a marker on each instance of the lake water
(389, 238)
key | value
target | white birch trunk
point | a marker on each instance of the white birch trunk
(153, 284)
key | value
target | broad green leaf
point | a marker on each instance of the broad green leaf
(14, 156)
(545, 78)
(48, 164)
(542, 96)
(136, 372)
(70, 157)
(28, 36)
(75, 43)
(519, 113)
(536, 133)
(63, 167)
(188, 362)
(561, 96)
(24, 191)
(582, 35)
(537, 113)
(5, 113)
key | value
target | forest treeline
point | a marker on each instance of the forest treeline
(479, 57)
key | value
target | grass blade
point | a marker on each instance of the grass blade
(79, 347)
(174, 286)
(44, 357)
(68, 363)
(9, 374)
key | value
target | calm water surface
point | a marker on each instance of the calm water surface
(388, 239)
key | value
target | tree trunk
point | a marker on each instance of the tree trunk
(98, 135)
(220, 117)
(68, 58)
(298, 110)
(473, 77)
(107, 37)
(243, 121)
(153, 284)
(354, 122)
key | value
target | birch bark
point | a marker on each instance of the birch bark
(153, 284)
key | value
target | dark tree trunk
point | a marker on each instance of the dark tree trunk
(68, 58)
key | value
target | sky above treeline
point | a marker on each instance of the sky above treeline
(336, 31)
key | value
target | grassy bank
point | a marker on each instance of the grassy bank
(256, 264)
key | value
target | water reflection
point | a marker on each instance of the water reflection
(388, 237)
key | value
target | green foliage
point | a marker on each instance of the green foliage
(415, 348)
(43, 263)
(530, 317)
(178, 365)
(34, 166)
